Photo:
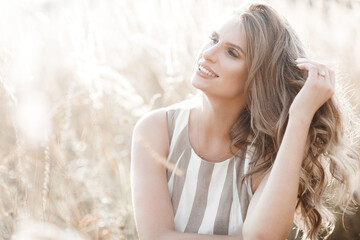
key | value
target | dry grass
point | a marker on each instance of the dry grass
(76, 75)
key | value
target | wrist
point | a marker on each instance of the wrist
(300, 118)
(298, 114)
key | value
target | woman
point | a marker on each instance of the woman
(258, 150)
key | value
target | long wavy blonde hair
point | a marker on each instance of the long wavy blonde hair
(331, 163)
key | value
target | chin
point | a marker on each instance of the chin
(196, 83)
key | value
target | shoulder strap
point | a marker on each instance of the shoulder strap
(171, 116)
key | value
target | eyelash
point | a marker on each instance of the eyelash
(212, 38)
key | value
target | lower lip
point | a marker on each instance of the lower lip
(201, 74)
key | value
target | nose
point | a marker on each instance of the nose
(209, 53)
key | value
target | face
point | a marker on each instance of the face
(224, 57)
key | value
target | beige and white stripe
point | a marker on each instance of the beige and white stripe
(208, 197)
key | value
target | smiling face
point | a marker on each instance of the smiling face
(224, 58)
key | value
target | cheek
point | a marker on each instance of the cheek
(236, 73)
(236, 79)
(243, 76)
(243, 71)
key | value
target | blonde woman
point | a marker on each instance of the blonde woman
(258, 150)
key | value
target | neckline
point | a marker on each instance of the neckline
(192, 149)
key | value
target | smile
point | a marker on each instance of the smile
(202, 70)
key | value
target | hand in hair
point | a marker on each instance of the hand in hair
(318, 88)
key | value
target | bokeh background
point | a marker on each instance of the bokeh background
(75, 76)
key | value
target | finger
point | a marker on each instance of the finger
(313, 70)
(332, 79)
(323, 75)
(327, 77)
(318, 64)
(306, 60)
(307, 64)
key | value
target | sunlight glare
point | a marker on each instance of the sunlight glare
(31, 116)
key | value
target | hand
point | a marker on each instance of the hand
(318, 88)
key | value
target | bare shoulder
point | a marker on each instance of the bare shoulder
(154, 125)
(155, 119)
(151, 129)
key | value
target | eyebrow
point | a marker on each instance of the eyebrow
(231, 44)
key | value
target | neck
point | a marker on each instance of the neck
(217, 116)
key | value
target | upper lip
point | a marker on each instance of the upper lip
(208, 68)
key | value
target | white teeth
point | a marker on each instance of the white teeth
(202, 69)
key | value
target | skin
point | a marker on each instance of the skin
(271, 210)
(223, 97)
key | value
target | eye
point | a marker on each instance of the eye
(232, 53)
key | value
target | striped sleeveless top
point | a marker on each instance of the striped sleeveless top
(207, 197)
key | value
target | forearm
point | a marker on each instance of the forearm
(173, 235)
(273, 215)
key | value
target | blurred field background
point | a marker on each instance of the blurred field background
(75, 76)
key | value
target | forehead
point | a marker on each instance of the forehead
(231, 30)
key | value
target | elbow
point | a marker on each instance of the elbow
(257, 234)
(265, 232)
(252, 236)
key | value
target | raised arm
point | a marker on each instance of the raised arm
(272, 208)
(154, 216)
